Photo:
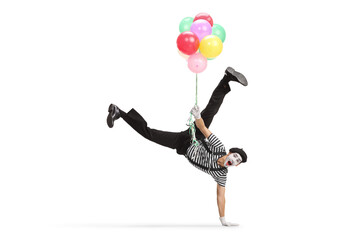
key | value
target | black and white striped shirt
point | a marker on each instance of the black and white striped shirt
(206, 160)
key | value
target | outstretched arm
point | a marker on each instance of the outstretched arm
(201, 126)
(220, 192)
(200, 122)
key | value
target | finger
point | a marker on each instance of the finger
(234, 224)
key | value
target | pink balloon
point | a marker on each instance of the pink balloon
(197, 63)
(201, 28)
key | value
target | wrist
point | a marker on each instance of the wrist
(222, 220)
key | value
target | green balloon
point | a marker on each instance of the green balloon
(219, 31)
(185, 24)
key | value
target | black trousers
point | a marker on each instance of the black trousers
(179, 140)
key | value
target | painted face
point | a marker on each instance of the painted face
(232, 160)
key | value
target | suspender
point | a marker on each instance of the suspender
(209, 169)
(209, 151)
(213, 153)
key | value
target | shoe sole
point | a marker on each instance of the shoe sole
(239, 77)
(109, 119)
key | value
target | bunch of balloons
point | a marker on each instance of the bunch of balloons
(200, 40)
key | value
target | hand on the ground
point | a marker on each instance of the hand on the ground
(195, 111)
(227, 224)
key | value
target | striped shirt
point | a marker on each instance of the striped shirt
(206, 161)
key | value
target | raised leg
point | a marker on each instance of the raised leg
(174, 140)
(215, 101)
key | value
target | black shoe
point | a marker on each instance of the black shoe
(114, 114)
(236, 76)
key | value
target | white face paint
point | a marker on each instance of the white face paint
(232, 160)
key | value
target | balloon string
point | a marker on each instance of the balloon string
(196, 89)
(192, 130)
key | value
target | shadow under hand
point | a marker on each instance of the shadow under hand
(145, 225)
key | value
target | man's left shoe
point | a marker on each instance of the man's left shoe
(236, 76)
(114, 114)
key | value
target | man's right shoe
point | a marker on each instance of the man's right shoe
(114, 114)
(236, 76)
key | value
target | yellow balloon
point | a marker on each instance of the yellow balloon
(211, 46)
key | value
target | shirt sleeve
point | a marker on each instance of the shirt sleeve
(221, 179)
(215, 143)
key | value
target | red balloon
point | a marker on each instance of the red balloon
(188, 43)
(204, 16)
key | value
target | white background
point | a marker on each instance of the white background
(65, 175)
